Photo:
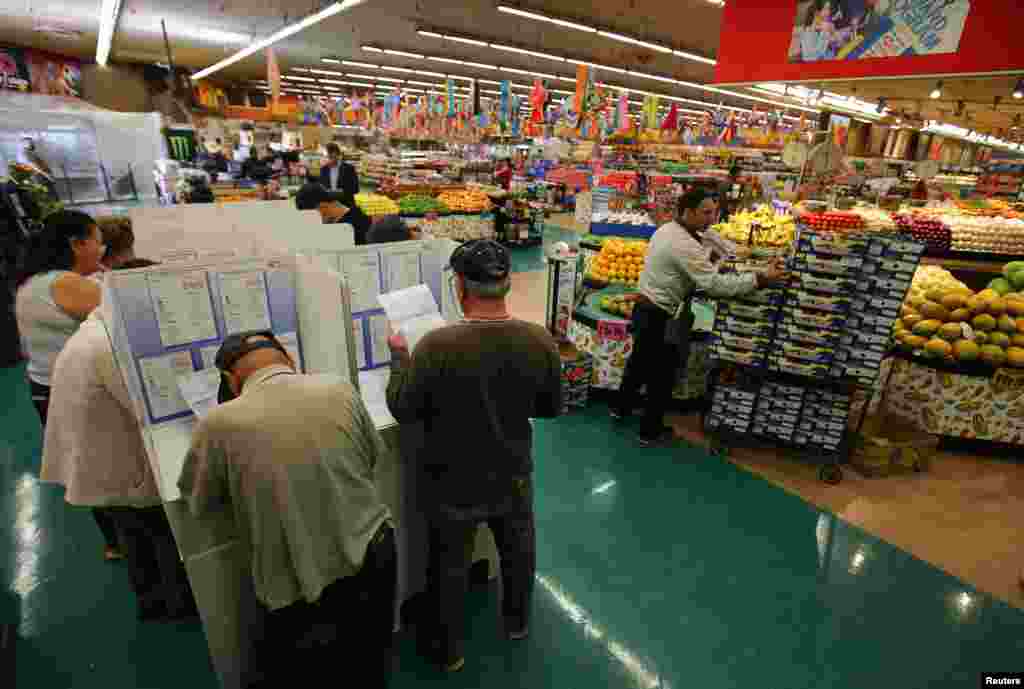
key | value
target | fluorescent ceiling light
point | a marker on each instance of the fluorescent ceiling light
(431, 34)
(488, 81)
(479, 65)
(360, 83)
(367, 65)
(216, 36)
(562, 91)
(446, 59)
(693, 56)
(372, 49)
(515, 70)
(330, 60)
(470, 41)
(540, 17)
(290, 30)
(634, 41)
(523, 51)
(398, 69)
(333, 81)
(402, 53)
(667, 80)
(491, 91)
(431, 74)
(292, 78)
(456, 76)
(326, 71)
(423, 83)
(110, 12)
(397, 81)
(304, 69)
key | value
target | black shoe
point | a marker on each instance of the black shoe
(648, 439)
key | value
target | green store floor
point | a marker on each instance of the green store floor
(656, 568)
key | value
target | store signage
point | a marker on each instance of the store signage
(818, 40)
(860, 29)
(38, 72)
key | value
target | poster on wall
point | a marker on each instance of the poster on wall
(37, 72)
(840, 127)
(857, 29)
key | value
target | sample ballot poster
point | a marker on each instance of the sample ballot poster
(175, 321)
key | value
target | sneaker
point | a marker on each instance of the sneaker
(648, 439)
(519, 635)
(455, 665)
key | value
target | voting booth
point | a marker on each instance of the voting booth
(166, 324)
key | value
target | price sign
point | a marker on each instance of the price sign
(612, 330)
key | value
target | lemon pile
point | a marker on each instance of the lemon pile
(620, 262)
(776, 230)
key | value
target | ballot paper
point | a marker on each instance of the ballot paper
(373, 385)
(199, 390)
(362, 272)
(244, 298)
(412, 312)
(182, 305)
(402, 269)
(160, 379)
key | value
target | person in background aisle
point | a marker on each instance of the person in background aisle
(94, 448)
(391, 229)
(334, 208)
(476, 385)
(119, 239)
(503, 174)
(337, 175)
(293, 458)
(54, 296)
(677, 265)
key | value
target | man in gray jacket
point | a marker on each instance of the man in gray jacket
(292, 457)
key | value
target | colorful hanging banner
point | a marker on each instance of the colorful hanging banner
(450, 96)
(582, 79)
(504, 104)
(651, 112)
(273, 75)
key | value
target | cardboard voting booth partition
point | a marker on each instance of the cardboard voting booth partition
(193, 232)
(166, 324)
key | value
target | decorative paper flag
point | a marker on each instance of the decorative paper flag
(515, 116)
(582, 79)
(650, 110)
(273, 75)
(622, 118)
(450, 95)
(539, 100)
(671, 122)
(503, 110)
(729, 130)
(474, 97)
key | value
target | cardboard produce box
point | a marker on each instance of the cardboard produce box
(577, 374)
(891, 445)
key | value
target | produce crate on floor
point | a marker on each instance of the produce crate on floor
(890, 445)
(577, 374)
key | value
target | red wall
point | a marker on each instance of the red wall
(756, 34)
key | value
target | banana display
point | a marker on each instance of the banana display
(771, 229)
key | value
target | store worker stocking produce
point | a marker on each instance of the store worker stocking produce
(292, 459)
(678, 264)
(475, 385)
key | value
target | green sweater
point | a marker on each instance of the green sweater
(475, 386)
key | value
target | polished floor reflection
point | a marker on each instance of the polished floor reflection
(657, 568)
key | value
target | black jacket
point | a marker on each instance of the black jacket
(348, 180)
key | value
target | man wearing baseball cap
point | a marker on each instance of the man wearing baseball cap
(334, 207)
(476, 384)
(292, 458)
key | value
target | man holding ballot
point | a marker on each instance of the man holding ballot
(475, 385)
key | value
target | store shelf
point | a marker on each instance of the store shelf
(976, 263)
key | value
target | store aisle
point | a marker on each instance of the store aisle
(531, 258)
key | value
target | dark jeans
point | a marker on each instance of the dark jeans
(653, 362)
(156, 571)
(452, 534)
(41, 400)
(349, 629)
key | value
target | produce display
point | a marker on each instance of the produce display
(932, 231)
(420, 204)
(619, 262)
(468, 201)
(624, 218)
(375, 204)
(986, 235)
(834, 221)
(458, 227)
(769, 228)
(944, 320)
(620, 305)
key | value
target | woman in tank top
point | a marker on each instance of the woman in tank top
(54, 297)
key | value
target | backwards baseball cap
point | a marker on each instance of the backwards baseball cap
(237, 346)
(481, 260)
(312, 194)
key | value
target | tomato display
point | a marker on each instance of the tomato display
(834, 221)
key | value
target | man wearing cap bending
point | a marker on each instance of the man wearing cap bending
(335, 207)
(476, 384)
(292, 458)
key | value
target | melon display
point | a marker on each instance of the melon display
(951, 332)
(993, 355)
(965, 350)
(938, 348)
(1015, 357)
(1001, 286)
